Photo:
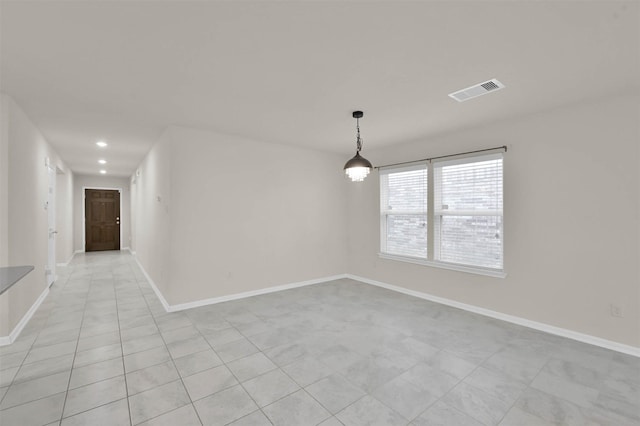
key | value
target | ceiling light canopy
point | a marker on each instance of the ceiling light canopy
(101, 161)
(358, 167)
(101, 144)
(103, 172)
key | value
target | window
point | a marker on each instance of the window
(404, 212)
(462, 228)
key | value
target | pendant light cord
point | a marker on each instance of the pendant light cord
(358, 139)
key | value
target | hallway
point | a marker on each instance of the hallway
(101, 350)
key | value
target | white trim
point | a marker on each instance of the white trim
(70, 259)
(445, 265)
(471, 157)
(433, 167)
(409, 167)
(7, 340)
(558, 331)
(214, 300)
(165, 305)
(84, 208)
(52, 201)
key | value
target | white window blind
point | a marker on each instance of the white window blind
(464, 227)
(468, 211)
(403, 210)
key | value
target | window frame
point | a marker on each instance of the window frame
(385, 213)
(434, 217)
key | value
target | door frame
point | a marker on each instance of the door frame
(84, 213)
(50, 268)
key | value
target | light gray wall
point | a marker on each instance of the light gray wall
(219, 215)
(25, 192)
(151, 217)
(571, 220)
(233, 215)
(89, 181)
(4, 180)
(5, 326)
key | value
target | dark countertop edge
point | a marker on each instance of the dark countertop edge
(9, 275)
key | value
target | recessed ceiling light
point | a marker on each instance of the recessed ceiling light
(101, 144)
(102, 161)
(103, 172)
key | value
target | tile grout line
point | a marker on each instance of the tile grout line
(233, 374)
(124, 371)
(528, 385)
(331, 415)
(13, 382)
(89, 384)
(482, 364)
(441, 396)
(366, 392)
(157, 316)
(334, 372)
(171, 358)
(462, 380)
(37, 334)
(538, 390)
(259, 375)
(84, 310)
(520, 396)
(277, 368)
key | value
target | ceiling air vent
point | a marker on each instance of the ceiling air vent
(477, 90)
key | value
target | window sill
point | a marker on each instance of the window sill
(444, 265)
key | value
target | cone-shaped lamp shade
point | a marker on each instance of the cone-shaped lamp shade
(357, 168)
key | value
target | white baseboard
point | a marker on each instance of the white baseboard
(243, 295)
(7, 340)
(159, 295)
(68, 261)
(558, 331)
(220, 299)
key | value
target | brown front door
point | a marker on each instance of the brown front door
(102, 219)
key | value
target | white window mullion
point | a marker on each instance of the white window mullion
(449, 213)
(432, 227)
(384, 194)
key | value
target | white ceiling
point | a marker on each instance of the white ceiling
(292, 72)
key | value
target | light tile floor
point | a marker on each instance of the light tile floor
(101, 350)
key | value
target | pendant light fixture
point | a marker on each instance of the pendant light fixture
(358, 167)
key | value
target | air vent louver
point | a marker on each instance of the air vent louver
(477, 90)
